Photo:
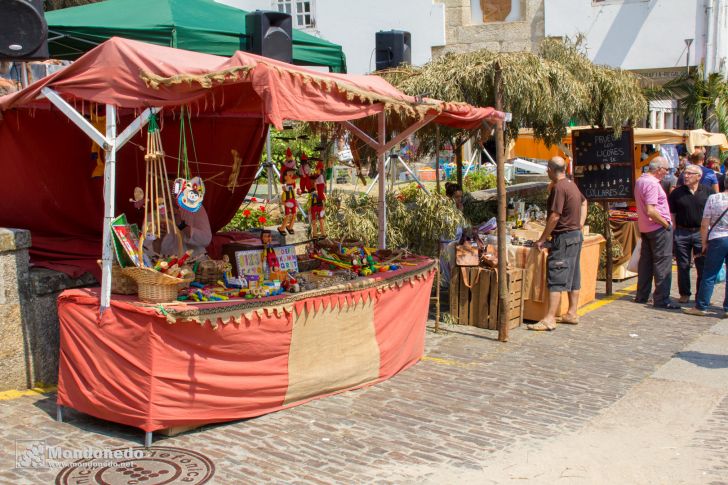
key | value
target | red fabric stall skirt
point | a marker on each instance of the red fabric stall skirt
(137, 367)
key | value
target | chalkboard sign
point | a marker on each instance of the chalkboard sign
(604, 165)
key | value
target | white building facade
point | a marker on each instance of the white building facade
(658, 39)
(353, 23)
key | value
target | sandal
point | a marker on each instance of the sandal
(290, 231)
(540, 327)
(282, 232)
(568, 321)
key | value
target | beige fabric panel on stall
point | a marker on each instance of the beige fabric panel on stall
(332, 349)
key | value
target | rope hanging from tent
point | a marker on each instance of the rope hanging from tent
(157, 196)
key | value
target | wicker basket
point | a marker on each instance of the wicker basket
(121, 284)
(156, 287)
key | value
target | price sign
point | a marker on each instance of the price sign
(604, 165)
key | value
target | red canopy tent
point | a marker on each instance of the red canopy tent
(46, 160)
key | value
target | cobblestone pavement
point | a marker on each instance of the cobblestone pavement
(471, 400)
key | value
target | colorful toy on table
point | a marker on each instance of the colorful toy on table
(288, 199)
(231, 282)
(253, 281)
(291, 285)
(172, 266)
(356, 264)
(370, 262)
(226, 267)
(322, 272)
(269, 255)
(199, 292)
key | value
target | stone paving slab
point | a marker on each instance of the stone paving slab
(720, 328)
(470, 399)
(704, 361)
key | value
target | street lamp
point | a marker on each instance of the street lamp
(688, 42)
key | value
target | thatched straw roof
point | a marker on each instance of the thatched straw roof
(543, 91)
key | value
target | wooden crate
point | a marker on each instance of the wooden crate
(516, 284)
(478, 305)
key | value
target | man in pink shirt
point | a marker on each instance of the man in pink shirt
(655, 225)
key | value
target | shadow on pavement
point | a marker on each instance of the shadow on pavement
(709, 361)
(89, 423)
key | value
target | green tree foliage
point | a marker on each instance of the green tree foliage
(702, 100)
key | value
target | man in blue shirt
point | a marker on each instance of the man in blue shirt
(708, 179)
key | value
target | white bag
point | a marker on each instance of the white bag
(634, 261)
(345, 154)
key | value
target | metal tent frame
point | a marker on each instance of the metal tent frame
(112, 141)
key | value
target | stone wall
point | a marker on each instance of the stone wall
(29, 338)
(15, 362)
(462, 35)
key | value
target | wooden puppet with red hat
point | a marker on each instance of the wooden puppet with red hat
(306, 184)
(289, 162)
(318, 198)
(288, 199)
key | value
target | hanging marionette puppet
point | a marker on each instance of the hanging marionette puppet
(288, 199)
(318, 197)
(289, 163)
(306, 184)
(189, 192)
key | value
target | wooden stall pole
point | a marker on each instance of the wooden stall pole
(437, 158)
(381, 203)
(459, 163)
(437, 292)
(608, 237)
(107, 252)
(501, 216)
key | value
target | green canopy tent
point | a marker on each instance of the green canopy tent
(197, 25)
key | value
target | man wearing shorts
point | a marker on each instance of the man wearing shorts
(566, 215)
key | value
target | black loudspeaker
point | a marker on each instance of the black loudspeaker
(270, 34)
(23, 30)
(393, 47)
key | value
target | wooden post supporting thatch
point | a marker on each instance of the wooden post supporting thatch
(501, 216)
(608, 249)
(459, 163)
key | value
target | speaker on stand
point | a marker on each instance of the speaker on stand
(270, 34)
(23, 32)
(393, 47)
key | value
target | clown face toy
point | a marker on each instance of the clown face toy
(189, 193)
